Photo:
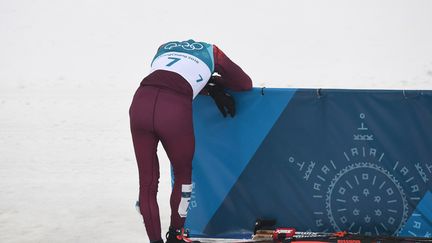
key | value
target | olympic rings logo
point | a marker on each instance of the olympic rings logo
(185, 45)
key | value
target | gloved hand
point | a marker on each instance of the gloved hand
(224, 101)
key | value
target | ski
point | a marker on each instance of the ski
(318, 237)
(266, 228)
(287, 235)
(265, 232)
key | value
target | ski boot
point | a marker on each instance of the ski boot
(178, 236)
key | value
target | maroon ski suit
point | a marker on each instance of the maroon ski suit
(161, 110)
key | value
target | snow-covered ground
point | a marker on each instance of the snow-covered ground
(68, 70)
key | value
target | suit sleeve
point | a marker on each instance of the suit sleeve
(233, 77)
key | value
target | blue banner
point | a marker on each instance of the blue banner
(319, 160)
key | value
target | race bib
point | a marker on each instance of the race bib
(191, 68)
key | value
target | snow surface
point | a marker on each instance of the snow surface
(69, 69)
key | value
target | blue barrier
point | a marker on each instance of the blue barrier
(320, 160)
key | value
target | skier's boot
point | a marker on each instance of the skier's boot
(179, 236)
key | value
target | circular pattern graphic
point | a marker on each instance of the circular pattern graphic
(366, 198)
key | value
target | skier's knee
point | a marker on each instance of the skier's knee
(137, 207)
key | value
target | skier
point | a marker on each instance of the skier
(161, 110)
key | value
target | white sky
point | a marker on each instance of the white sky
(352, 44)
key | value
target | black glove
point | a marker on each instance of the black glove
(224, 101)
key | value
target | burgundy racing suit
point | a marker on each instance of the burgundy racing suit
(161, 110)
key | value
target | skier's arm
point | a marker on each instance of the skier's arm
(233, 77)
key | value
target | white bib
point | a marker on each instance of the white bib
(191, 68)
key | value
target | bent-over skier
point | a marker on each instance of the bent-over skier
(161, 110)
